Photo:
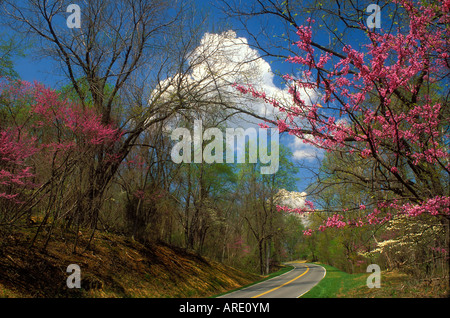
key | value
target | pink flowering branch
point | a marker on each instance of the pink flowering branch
(70, 118)
(403, 131)
(50, 137)
(15, 173)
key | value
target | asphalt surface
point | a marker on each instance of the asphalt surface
(292, 284)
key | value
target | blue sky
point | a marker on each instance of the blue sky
(39, 70)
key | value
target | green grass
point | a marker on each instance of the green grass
(336, 283)
(394, 284)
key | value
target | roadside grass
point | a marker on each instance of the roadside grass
(336, 283)
(394, 284)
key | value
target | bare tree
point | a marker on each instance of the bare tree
(118, 42)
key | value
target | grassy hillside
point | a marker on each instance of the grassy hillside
(116, 267)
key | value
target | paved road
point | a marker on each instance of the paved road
(292, 284)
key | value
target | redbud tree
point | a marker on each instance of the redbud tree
(385, 102)
(47, 145)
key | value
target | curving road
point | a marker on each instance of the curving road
(292, 284)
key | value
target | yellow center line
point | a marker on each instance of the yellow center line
(271, 290)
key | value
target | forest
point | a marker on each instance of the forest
(358, 111)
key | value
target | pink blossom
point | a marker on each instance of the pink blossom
(264, 126)
(396, 138)
(282, 126)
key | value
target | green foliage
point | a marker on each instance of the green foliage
(293, 239)
(8, 50)
(85, 90)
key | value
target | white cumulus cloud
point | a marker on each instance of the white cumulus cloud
(221, 60)
(303, 151)
(293, 200)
